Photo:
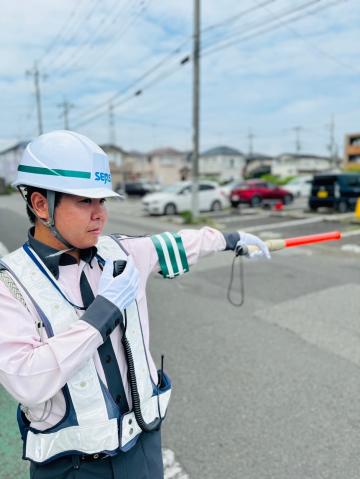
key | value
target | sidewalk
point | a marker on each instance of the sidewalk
(12, 466)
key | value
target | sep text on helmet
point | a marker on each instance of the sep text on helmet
(105, 177)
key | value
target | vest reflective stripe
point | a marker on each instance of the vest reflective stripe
(93, 430)
(171, 254)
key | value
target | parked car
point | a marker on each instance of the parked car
(177, 198)
(254, 192)
(137, 188)
(227, 188)
(339, 191)
(300, 186)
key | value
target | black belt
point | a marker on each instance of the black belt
(93, 457)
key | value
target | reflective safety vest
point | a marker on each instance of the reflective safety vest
(92, 422)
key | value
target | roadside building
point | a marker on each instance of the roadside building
(167, 165)
(116, 153)
(291, 164)
(257, 165)
(222, 163)
(9, 160)
(352, 149)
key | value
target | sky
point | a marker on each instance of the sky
(276, 75)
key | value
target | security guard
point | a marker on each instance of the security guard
(74, 341)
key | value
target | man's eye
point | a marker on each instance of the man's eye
(86, 200)
(102, 201)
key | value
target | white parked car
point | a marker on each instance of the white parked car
(177, 198)
(300, 186)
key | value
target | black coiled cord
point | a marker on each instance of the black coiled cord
(241, 279)
(134, 390)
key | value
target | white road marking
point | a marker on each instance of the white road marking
(172, 469)
(3, 249)
(285, 224)
(351, 248)
(346, 234)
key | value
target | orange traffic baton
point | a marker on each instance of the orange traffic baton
(278, 244)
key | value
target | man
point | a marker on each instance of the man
(74, 341)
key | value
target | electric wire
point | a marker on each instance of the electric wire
(89, 43)
(203, 53)
(64, 53)
(283, 23)
(169, 57)
(99, 59)
(61, 33)
(340, 62)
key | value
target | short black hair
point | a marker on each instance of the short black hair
(32, 189)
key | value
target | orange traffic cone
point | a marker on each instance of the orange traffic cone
(279, 206)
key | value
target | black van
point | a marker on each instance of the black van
(339, 191)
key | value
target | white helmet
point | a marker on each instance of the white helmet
(67, 162)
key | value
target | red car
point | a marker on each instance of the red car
(254, 192)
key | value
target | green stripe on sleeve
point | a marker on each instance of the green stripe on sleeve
(54, 172)
(161, 257)
(170, 249)
(183, 257)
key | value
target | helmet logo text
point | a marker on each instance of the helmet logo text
(104, 177)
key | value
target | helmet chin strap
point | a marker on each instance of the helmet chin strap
(50, 223)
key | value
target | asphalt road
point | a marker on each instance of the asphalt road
(269, 390)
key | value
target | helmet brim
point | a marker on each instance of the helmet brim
(85, 192)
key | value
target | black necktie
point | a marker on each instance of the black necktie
(107, 354)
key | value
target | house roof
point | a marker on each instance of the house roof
(20, 145)
(110, 146)
(258, 157)
(221, 150)
(303, 155)
(166, 151)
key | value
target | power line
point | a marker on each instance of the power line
(114, 40)
(66, 25)
(239, 34)
(169, 57)
(74, 34)
(93, 37)
(222, 46)
(318, 49)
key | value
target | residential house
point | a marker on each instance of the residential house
(10, 159)
(167, 165)
(352, 149)
(222, 163)
(257, 165)
(290, 164)
(115, 153)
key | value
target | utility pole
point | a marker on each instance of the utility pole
(297, 130)
(36, 75)
(196, 111)
(66, 106)
(112, 129)
(250, 136)
(332, 146)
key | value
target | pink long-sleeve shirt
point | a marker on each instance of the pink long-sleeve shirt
(33, 369)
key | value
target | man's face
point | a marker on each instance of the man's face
(80, 220)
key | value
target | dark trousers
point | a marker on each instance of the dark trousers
(143, 461)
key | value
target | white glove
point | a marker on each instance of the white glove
(122, 289)
(248, 239)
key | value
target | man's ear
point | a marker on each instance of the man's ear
(40, 205)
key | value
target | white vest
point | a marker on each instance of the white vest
(92, 423)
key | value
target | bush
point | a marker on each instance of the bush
(276, 180)
(352, 168)
(188, 219)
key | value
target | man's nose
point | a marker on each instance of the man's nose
(98, 210)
